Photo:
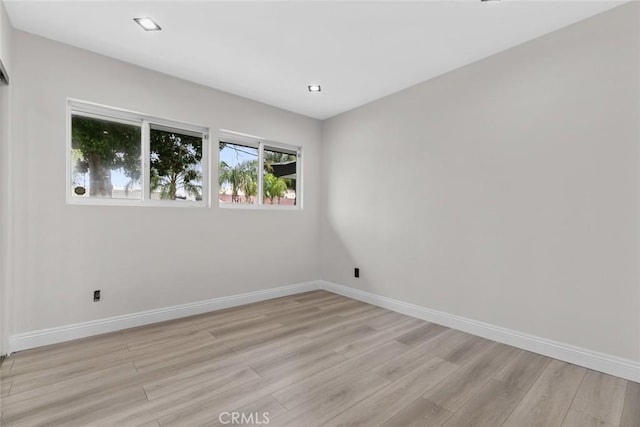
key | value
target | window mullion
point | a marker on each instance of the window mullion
(146, 161)
(260, 174)
(118, 129)
(299, 176)
(206, 169)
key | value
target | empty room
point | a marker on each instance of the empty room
(320, 213)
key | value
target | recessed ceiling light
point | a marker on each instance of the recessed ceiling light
(314, 88)
(148, 24)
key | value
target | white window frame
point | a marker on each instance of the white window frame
(88, 109)
(261, 144)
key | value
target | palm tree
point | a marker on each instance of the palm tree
(169, 184)
(175, 164)
(231, 176)
(249, 180)
(243, 176)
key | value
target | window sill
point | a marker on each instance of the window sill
(258, 207)
(138, 203)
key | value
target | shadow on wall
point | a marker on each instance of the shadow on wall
(338, 261)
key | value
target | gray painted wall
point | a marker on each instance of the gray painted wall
(6, 32)
(506, 191)
(140, 257)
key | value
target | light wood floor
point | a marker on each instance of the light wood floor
(308, 360)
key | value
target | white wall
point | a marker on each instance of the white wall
(506, 191)
(6, 31)
(141, 258)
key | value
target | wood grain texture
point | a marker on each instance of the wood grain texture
(489, 407)
(389, 400)
(548, 401)
(419, 413)
(5, 386)
(413, 358)
(307, 360)
(601, 396)
(335, 400)
(631, 412)
(315, 385)
(421, 334)
(580, 419)
(458, 388)
(523, 370)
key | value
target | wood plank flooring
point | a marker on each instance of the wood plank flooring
(307, 360)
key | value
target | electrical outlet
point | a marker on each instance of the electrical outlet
(96, 295)
(356, 272)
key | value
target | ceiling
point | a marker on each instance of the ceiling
(271, 51)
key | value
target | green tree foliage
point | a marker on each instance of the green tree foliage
(250, 179)
(274, 187)
(243, 176)
(275, 157)
(271, 157)
(105, 146)
(175, 164)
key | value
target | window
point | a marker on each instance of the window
(118, 157)
(106, 158)
(258, 173)
(176, 164)
(280, 176)
(238, 174)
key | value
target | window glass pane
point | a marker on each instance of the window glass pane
(105, 158)
(238, 174)
(280, 175)
(176, 165)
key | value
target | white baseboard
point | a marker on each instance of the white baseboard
(42, 337)
(606, 363)
(601, 362)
